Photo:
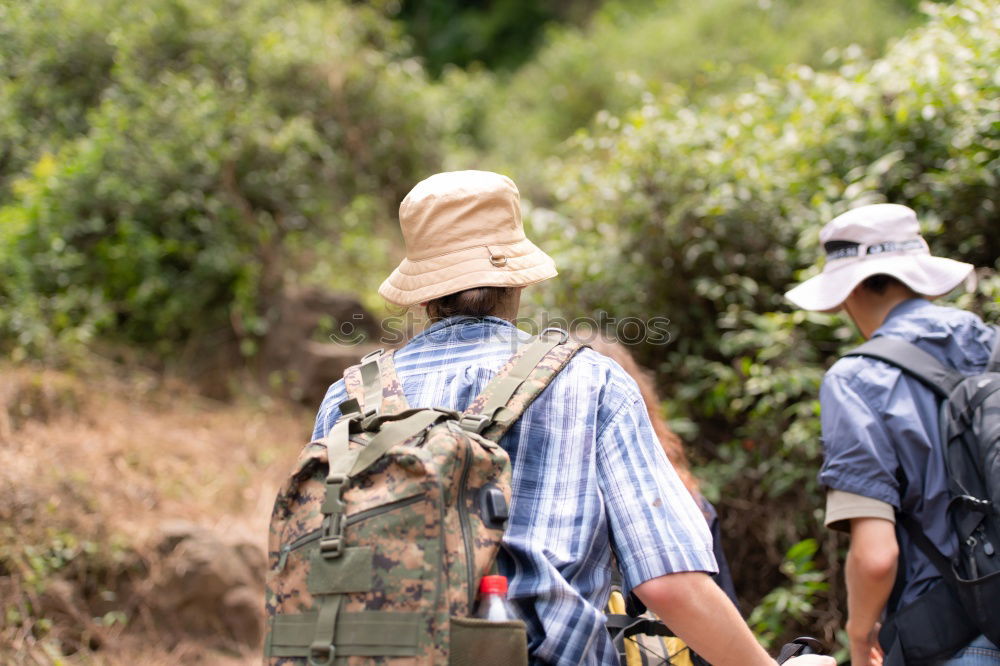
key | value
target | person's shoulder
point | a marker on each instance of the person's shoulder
(868, 378)
(920, 319)
(596, 364)
(857, 370)
(329, 409)
(959, 338)
(610, 382)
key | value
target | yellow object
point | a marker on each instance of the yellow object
(667, 645)
(678, 648)
(616, 604)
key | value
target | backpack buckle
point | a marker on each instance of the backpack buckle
(332, 547)
(476, 423)
(368, 419)
(317, 652)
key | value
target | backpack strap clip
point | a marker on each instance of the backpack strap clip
(374, 388)
(476, 423)
(332, 542)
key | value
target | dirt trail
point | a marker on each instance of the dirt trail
(133, 517)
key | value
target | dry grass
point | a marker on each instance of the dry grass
(90, 469)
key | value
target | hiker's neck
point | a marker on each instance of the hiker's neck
(869, 309)
(508, 310)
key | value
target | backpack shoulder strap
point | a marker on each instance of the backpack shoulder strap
(374, 386)
(918, 536)
(993, 365)
(912, 360)
(518, 383)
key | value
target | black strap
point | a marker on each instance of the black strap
(994, 363)
(800, 646)
(940, 562)
(912, 360)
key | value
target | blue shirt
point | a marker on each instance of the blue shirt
(589, 476)
(879, 423)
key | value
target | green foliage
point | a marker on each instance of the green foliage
(203, 142)
(632, 50)
(707, 213)
(55, 61)
(167, 167)
(498, 33)
(794, 601)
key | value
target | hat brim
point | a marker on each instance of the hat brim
(415, 282)
(927, 275)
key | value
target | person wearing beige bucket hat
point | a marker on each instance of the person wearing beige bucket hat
(883, 456)
(589, 475)
(463, 230)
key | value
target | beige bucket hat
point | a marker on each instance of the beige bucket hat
(462, 230)
(873, 240)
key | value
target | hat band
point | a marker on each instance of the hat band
(840, 249)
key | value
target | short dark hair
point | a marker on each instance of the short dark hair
(880, 282)
(475, 302)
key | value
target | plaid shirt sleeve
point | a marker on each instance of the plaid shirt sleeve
(656, 527)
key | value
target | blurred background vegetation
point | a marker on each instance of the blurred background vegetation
(170, 168)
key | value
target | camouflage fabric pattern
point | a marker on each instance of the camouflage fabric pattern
(544, 372)
(421, 562)
(417, 507)
(393, 400)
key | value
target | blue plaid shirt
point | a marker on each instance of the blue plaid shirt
(589, 476)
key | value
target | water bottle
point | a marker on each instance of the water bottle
(493, 604)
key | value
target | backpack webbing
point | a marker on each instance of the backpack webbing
(375, 385)
(912, 360)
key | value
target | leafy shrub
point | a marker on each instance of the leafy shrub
(707, 214)
(631, 50)
(229, 146)
(499, 34)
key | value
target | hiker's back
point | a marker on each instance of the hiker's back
(561, 510)
(903, 421)
(387, 524)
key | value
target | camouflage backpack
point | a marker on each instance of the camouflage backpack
(380, 536)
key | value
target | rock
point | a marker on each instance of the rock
(290, 352)
(207, 587)
(243, 615)
(316, 365)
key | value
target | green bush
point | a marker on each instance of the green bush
(707, 214)
(55, 62)
(632, 50)
(205, 154)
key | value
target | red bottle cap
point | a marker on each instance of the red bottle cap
(493, 585)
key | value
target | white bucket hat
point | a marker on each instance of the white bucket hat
(462, 230)
(873, 240)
